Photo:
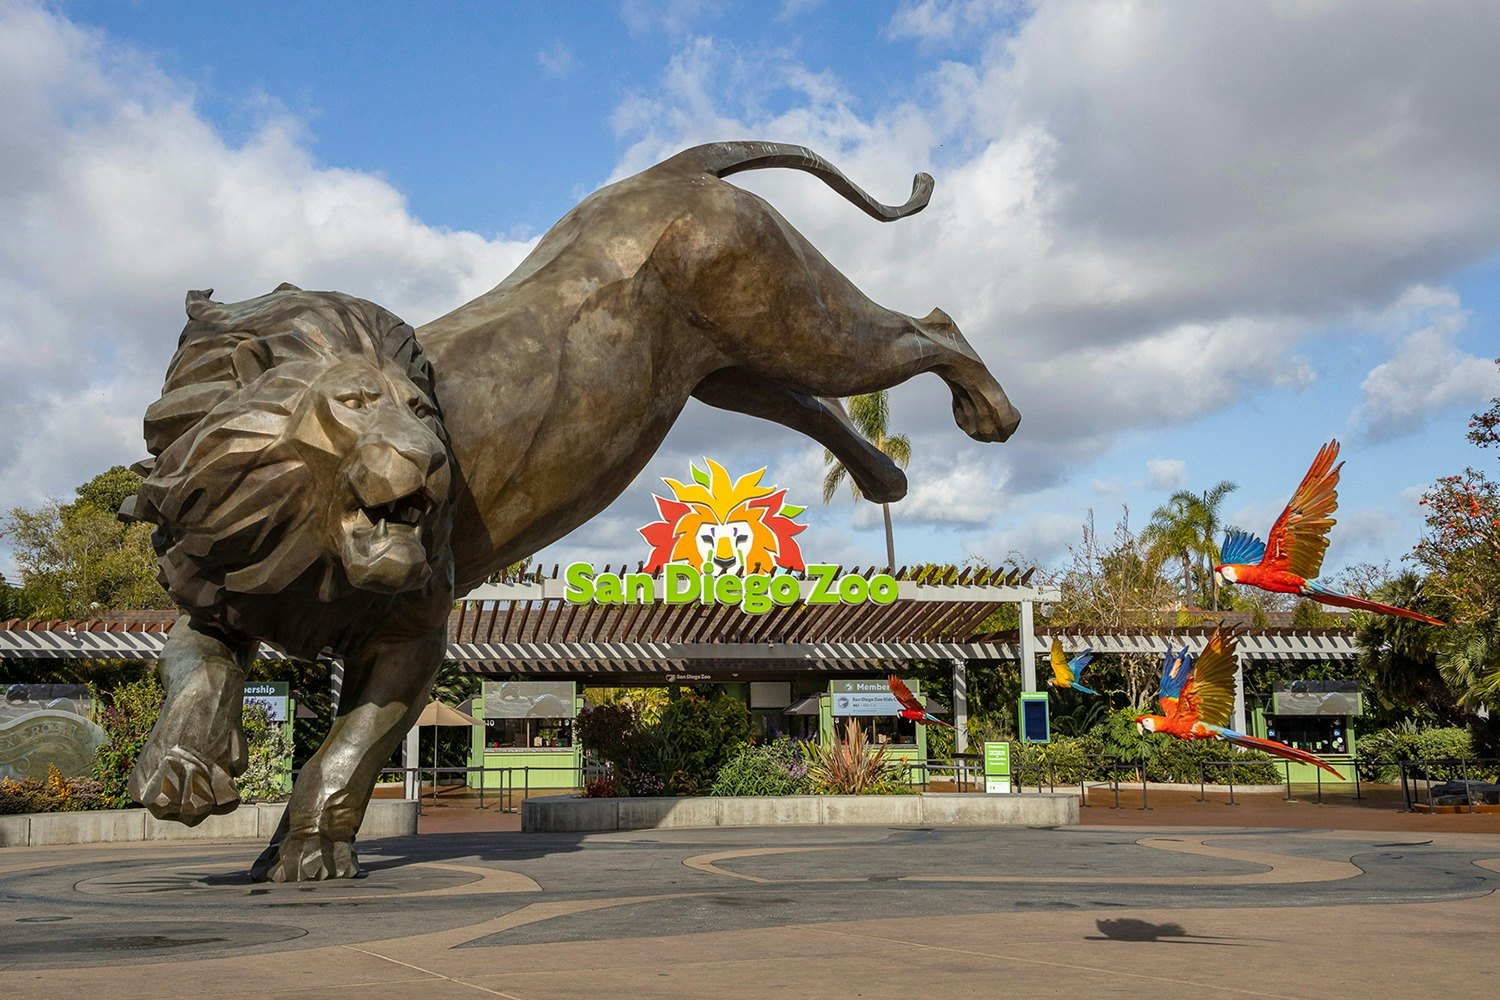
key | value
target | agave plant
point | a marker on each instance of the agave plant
(851, 767)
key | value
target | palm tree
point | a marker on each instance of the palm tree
(871, 416)
(1186, 527)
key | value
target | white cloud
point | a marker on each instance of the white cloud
(946, 20)
(1166, 473)
(116, 196)
(1427, 375)
(670, 17)
(1142, 211)
(556, 61)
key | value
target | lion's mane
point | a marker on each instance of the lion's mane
(228, 487)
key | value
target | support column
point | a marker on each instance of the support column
(410, 752)
(1239, 696)
(960, 707)
(1028, 648)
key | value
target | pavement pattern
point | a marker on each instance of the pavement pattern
(830, 912)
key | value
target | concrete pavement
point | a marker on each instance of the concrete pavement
(1096, 910)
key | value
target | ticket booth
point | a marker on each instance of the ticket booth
(1316, 716)
(528, 729)
(871, 704)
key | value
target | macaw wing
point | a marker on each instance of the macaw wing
(1209, 692)
(904, 696)
(1242, 548)
(1079, 662)
(1175, 668)
(1299, 537)
(1061, 671)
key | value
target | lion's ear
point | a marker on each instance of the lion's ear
(251, 359)
(203, 309)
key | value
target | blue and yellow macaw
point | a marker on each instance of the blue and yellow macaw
(1065, 672)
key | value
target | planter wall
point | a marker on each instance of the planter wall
(384, 818)
(577, 815)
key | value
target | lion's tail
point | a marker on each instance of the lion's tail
(724, 158)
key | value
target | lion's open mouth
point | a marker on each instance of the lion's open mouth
(408, 511)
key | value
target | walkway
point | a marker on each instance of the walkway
(1097, 911)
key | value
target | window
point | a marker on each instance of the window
(527, 734)
(880, 728)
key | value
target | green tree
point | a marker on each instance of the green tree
(1187, 527)
(77, 559)
(1112, 585)
(1398, 657)
(871, 416)
(1460, 550)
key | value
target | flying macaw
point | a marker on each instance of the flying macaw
(1066, 672)
(911, 708)
(1197, 700)
(1298, 540)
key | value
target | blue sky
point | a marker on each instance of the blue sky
(1193, 241)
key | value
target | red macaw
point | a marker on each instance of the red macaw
(911, 708)
(1298, 540)
(1066, 672)
(1197, 701)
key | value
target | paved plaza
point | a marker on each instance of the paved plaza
(1096, 910)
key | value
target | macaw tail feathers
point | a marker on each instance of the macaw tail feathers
(1079, 687)
(1275, 749)
(1325, 596)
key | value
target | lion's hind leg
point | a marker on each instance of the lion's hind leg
(186, 771)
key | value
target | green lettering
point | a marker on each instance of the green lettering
(785, 589)
(883, 588)
(824, 584)
(682, 583)
(580, 584)
(853, 589)
(728, 589)
(639, 588)
(607, 589)
(756, 588)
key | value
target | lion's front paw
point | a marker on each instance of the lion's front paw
(306, 858)
(180, 785)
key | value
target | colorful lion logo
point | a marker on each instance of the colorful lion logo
(725, 525)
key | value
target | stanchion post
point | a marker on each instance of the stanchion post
(1231, 783)
(1286, 767)
(1202, 793)
(1145, 800)
(1319, 776)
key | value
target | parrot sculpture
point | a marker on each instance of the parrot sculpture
(911, 708)
(1066, 672)
(1294, 554)
(1197, 700)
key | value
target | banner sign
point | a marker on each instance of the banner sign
(528, 699)
(722, 540)
(866, 697)
(997, 768)
(274, 695)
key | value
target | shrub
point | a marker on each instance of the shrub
(55, 793)
(1439, 747)
(775, 768)
(267, 777)
(850, 767)
(679, 754)
(603, 786)
(127, 720)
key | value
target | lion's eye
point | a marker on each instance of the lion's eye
(421, 409)
(353, 402)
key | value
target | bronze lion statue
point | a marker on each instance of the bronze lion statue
(327, 480)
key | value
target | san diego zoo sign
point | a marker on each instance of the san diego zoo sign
(721, 540)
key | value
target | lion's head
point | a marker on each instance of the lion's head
(298, 447)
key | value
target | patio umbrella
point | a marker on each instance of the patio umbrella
(438, 714)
